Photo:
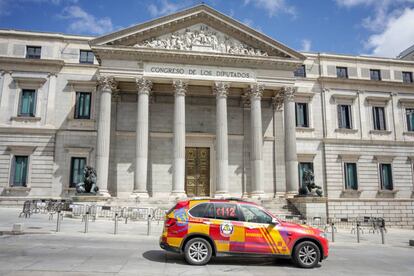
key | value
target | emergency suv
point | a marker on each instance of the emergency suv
(202, 228)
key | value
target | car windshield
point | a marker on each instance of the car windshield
(254, 214)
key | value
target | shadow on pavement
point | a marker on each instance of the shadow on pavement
(161, 256)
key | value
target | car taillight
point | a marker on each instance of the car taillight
(169, 222)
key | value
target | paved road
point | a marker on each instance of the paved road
(99, 252)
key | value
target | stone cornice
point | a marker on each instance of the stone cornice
(39, 65)
(366, 82)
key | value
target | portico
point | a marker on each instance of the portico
(200, 95)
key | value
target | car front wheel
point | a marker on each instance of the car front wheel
(198, 251)
(306, 254)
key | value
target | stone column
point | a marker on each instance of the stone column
(291, 159)
(222, 158)
(180, 88)
(141, 151)
(279, 145)
(256, 140)
(107, 84)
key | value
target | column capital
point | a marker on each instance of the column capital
(52, 75)
(3, 72)
(278, 99)
(289, 93)
(144, 85)
(180, 87)
(107, 83)
(221, 89)
(256, 90)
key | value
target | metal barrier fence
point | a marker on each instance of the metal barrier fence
(94, 211)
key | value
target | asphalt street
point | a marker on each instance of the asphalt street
(42, 251)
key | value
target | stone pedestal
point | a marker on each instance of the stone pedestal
(311, 207)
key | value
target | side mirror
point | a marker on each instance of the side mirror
(275, 221)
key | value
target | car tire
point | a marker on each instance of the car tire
(306, 254)
(198, 251)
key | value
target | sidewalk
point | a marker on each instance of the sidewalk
(40, 224)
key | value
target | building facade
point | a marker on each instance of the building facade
(198, 104)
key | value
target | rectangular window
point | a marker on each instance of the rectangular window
(27, 103)
(351, 178)
(302, 119)
(375, 74)
(33, 52)
(76, 170)
(344, 116)
(83, 105)
(379, 117)
(303, 167)
(342, 72)
(386, 177)
(409, 113)
(86, 56)
(300, 72)
(407, 77)
(19, 171)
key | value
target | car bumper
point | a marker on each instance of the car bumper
(167, 247)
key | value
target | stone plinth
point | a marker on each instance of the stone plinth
(311, 207)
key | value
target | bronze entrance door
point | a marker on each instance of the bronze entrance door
(197, 171)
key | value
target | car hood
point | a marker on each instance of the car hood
(303, 228)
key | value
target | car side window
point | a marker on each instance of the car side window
(226, 211)
(254, 214)
(199, 210)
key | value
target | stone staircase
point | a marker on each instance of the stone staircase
(282, 208)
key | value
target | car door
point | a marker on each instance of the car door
(226, 229)
(261, 235)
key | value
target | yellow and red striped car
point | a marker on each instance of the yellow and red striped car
(201, 228)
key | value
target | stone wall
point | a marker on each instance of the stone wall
(399, 213)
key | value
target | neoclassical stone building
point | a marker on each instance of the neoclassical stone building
(198, 104)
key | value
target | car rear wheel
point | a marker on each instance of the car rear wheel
(198, 251)
(306, 254)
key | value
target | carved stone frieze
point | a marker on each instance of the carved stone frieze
(144, 86)
(180, 87)
(221, 89)
(201, 38)
(107, 83)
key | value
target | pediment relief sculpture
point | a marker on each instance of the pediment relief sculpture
(201, 38)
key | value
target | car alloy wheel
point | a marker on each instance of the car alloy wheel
(198, 251)
(307, 254)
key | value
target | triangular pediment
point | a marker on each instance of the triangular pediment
(200, 29)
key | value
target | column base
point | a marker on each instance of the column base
(103, 193)
(280, 195)
(257, 195)
(178, 195)
(139, 194)
(291, 194)
(221, 195)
